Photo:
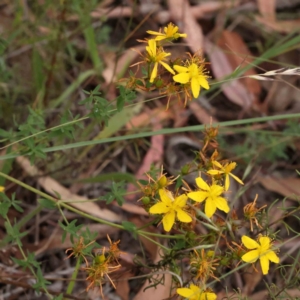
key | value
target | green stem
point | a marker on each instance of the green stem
(153, 241)
(73, 277)
(164, 236)
(158, 132)
(61, 203)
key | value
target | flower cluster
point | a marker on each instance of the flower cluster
(185, 76)
(207, 204)
(210, 191)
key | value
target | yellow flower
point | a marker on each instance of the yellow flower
(2, 188)
(227, 171)
(171, 33)
(157, 56)
(195, 293)
(170, 207)
(261, 251)
(212, 196)
(193, 74)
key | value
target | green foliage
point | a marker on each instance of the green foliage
(126, 96)
(66, 131)
(103, 34)
(6, 203)
(35, 123)
(101, 109)
(117, 193)
(28, 262)
(46, 203)
(41, 283)
(13, 234)
(72, 229)
(34, 150)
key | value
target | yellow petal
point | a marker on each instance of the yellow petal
(168, 220)
(215, 172)
(222, 204)
(196, 292)
(154, 72)
(251, 256)
(230, 167)
(183, 35)
(202, 184)
(249, 243)
(166, 66)
(236, 178)
(174, 29)
(227, 182)
(183, 216)
(160, 37)
(181, 200)
(271, 255)
(210, 207)
(2, 188)
(210, 296)
(195, 87)
(180, 69)
(159, 208)
(166, 197)
(265, 243)
(264, 263)
(217, 164)
(185, 292)
(198, 196)
(181, 78)
(203, 82)
(154, 32)
(152, 46)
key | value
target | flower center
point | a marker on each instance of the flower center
(193, 70)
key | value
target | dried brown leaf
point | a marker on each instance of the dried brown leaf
(153, 156)
(288, 187)
(201, 114)
(284, 26)
(53, 187)
(200, 11)
(239, 56)
(252, 278)
(144, 119)
(267, 9)
(234, 90)
(115, 68)
(123, 288)
(133, 209)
